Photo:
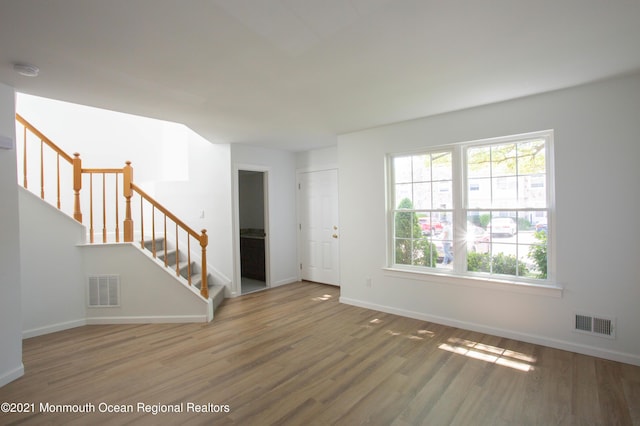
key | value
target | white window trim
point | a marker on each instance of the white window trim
(485, 282)
(459, 275)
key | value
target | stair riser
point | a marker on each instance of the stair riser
(171, 258)
(159, 245)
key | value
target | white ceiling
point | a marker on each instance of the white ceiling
(293, 74)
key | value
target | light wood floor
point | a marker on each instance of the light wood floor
(293, 355)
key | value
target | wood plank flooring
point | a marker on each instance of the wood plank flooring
(293, 355)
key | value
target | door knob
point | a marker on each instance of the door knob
(335, 235)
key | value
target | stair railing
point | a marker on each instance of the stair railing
(202, 238)
(76, 174)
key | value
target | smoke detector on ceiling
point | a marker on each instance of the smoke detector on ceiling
(27, 70)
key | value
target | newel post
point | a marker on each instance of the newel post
(77, 186)
(204, 287)
(127, 178)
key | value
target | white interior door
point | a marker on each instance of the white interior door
(319, 230)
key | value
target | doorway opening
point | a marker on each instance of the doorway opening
(253, 235)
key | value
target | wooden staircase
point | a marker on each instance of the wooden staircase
(189, 272)
(42, 160)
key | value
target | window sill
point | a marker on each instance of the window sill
(549, 290)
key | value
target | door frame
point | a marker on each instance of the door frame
(299, 172)
(237, 274)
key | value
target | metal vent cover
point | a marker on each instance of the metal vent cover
(596, 325)
(104, 291)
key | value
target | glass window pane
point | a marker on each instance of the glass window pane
(502, 225)
(404, 196)
(430, 253)
(503, 160)
(539, 221)
(505, 192)
(422, 195)
(402, 169)
(479, 193)
(477, 218)
(478, 242)
(420, 253)
(478, 262)
(477, 238)
(524, 225)
(504, 259)
(421, 168)
(443, 241)
(429, 224)
(442, 197)
(531, 157)
(532, 191)
(406, 225)
(537, 256)
(479, 162)
(441, 163)
(403, 251)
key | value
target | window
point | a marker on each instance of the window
(474, 209)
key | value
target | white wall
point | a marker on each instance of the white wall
(318, 159)
(147, 292)
(10, 307)
(204, 201)
(597, 129)
(52, 277)
(108, 138)
(280, 166)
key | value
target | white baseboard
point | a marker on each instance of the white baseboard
(626, 358)
(147, 319)
(285, 281)
(12, 375)
(52, 328)
(34, 332)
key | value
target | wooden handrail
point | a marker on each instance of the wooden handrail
(165, 211)
(202, 237)
(43, 138)
(102, 170)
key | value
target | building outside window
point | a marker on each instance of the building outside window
(474, 209)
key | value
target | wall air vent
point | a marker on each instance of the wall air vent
(598, 326)
(104, 291)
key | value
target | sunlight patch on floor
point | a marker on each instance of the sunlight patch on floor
(488, 353)
(421, 333)
(322, 298)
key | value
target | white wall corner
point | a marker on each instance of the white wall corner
(34, 332)
(12, 375)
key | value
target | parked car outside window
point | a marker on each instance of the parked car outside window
(429, 227)
(502, 226)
